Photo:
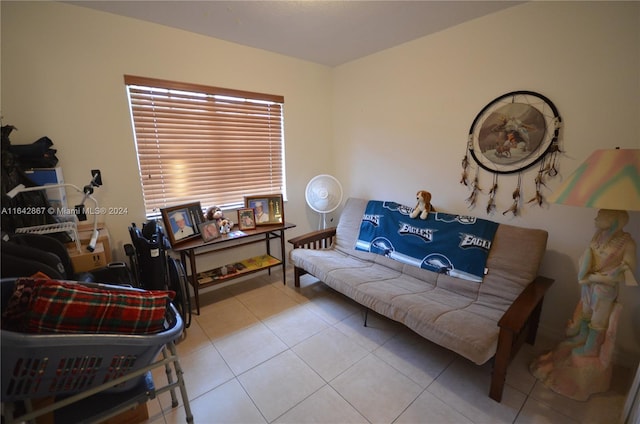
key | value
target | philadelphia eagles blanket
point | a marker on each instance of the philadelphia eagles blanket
(451, 244)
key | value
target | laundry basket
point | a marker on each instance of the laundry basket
(43, 365)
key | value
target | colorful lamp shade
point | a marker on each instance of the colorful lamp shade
(608, 179)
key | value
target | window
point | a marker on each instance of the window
(206, 144)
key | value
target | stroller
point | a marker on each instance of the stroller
(154, 269)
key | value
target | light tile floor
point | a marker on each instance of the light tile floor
(263, 352)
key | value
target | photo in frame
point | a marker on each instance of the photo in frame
(246, 219)
(268, 209)
(181, 222)
(209, 230)
(510, 135)
(514, 132)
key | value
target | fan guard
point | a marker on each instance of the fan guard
(323, 194)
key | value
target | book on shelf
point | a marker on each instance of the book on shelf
(238, 268)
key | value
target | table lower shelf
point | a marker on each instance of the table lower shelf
(236, 269)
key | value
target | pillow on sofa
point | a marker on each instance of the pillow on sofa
(67, 307)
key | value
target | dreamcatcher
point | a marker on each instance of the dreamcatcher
(510, 135)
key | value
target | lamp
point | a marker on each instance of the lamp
(608, 179)
(581, 364)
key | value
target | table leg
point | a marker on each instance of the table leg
(267, 237)
(283, 258)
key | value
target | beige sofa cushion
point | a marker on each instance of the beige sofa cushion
(458, 314)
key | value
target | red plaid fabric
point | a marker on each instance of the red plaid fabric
(61, 307)
(14, 315)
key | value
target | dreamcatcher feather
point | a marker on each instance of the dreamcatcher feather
(511, 134)
(514, 208)
(491, 204)
(475, 189)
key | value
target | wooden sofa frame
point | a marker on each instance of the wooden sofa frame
(519, 323)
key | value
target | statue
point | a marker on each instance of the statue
(581, 364)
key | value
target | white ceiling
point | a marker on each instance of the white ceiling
(325, 32)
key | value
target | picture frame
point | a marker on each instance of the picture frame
(209, 230)
(246, 219)
(181, 222)
(268, 209)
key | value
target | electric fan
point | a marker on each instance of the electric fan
(324, 195)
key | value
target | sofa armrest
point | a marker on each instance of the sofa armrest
(518, 323)
(315, 239)
(321, 239)
(515, 318)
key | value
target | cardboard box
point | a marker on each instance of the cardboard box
(86, 261)
(85, 237)
(88, 224)
(139, 414)
(136, 415)
(42, 403)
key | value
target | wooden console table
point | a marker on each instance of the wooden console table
(193, 248)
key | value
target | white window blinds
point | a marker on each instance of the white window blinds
(206, 144)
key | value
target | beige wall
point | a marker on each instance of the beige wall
(62, 76)
(401, 119)
(385, 125)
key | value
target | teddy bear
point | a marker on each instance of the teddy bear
(214, 213)
(225, 225)
(423, 207)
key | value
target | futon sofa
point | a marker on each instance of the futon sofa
(481, 321)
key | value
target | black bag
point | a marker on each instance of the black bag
(33, 207)
(23, 255)
(38, 154)
(20, 260)
(45, 244)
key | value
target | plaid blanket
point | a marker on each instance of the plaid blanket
(67, 307)
(452, 244)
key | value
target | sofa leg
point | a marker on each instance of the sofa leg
(501, 362)
(366, 315)
(297, 272)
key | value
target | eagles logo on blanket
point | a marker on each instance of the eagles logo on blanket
(457, 245)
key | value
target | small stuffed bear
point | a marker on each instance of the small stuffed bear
(424, 205)
(214, 213)
(225, 225)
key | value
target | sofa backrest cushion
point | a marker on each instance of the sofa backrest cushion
(513, 261)
(349, 228)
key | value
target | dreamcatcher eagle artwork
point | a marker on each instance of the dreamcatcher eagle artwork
(510, 135)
